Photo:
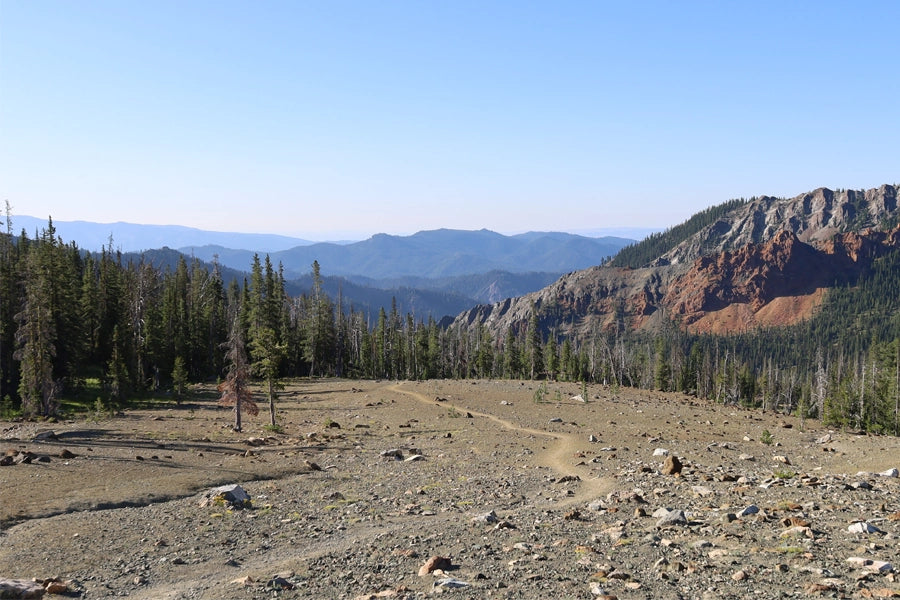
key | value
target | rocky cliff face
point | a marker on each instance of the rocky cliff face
(766, 263)
(814, 217)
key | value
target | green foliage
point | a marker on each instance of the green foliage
(784, 474)
(540, 392)
(74, 326)
(179, 380)
(766, 437)
(655, 245)
(7, 409)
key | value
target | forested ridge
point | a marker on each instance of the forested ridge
(642, 253)
(72, 321)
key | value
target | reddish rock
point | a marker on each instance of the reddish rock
(433, 564)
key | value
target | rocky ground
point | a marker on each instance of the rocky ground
(470, 490)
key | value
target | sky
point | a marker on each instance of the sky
(340, 119)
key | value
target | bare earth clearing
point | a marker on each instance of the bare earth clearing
(576, 489)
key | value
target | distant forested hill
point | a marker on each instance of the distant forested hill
(437, 254)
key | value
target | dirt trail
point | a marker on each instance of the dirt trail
(558, 455)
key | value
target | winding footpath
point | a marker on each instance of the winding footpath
(558, 455)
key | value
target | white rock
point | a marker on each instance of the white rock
(878, 566)
(675, 517)
(232, 495)
(578, 398)
(597, 589)
(863, 527)
(449, 583)
(890, 473)
(660, 452)
(489, 517)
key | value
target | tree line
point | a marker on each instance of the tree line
(71, 319)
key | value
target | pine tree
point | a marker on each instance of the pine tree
(268, 352)
(533, 348)
(236, 387)
(179, 380)
(36, 341)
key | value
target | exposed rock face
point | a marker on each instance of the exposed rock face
(759, 274)
(766, 263)
(814, 217)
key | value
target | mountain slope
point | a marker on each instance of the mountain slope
(760, 262)
(131, 237)
(438, 253)
(369, 299)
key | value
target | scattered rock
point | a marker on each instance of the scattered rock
(673, 517)
(863, 527)
(280, 583)
(433, 564)
(488, 517)
(869, 564)
(20, 588)
(233, 496)
(449, 583)
(672, 466)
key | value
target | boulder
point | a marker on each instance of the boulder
(863, 527)
(20, 588)
(433, 564)
(672, 466)
(234, 496)
(673, 517)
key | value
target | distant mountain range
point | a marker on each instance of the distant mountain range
(434, 254)
(131, 237)
(431, 273)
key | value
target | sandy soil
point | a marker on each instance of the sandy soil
(573, 485)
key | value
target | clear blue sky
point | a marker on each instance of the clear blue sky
(343, 119)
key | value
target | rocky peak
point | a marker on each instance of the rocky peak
(814, 217)
(766, 262)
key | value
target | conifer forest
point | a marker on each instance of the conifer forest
(74, 323)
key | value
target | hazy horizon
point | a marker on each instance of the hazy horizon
(350, 118)
(33, 222)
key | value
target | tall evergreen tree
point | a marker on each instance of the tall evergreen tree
(36, 341)
(236, 387)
